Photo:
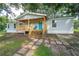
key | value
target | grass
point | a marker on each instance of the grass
(8, 46)
(42, 50)
(2, 33)
(76, 30)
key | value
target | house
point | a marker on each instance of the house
(28, 22)
(35, 22)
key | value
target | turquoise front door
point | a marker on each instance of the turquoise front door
(38, 26)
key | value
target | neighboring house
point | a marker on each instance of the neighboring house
(30, 22)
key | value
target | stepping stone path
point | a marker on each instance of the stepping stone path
(28, 50)
(59, 47)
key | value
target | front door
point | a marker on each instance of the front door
(38, 26)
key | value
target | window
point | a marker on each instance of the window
(14, 25)
(53, 23)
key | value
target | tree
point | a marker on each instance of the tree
(51, 9)
(5, 7)
(3, 22)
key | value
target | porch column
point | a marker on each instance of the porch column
(28, 24)
(44, 24)
(17, 26)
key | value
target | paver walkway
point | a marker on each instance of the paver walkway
(59, 45)
(29, 48)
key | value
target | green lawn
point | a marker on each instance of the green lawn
(9, 45)
(76, 30)
(42, 50)
(2, 33)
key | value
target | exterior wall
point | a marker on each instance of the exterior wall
(11, 28)
(63, 26)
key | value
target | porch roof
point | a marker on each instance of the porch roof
(30, 15)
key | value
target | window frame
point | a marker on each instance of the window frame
(54, 24)
(14, 25)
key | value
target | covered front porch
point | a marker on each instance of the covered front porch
(32, 26)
